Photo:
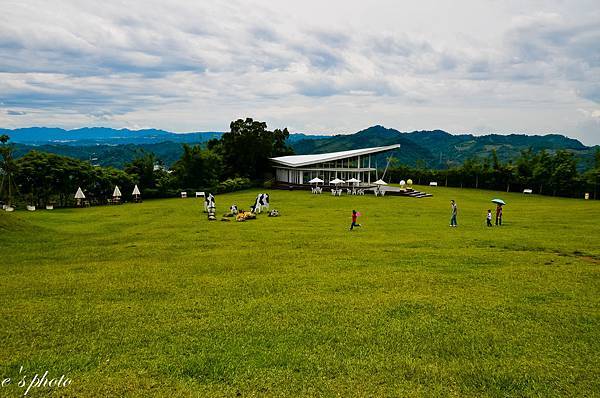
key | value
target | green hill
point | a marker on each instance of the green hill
(437, 148)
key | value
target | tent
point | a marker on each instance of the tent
(79, 194)
(336, 181)
(316, 180)
(380, 182)
(136, 194)
(353, 180)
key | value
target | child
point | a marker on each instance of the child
(489, 218)
(354, 216)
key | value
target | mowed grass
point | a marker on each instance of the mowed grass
(154, 300)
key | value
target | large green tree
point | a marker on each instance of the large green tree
(247, 147)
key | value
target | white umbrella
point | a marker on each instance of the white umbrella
(380, 182)
(353, 180)
(136, 190)
(315, 180)
(79, 194)
(117, 192)
(336, 181)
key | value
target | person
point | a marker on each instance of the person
(454, 213)
(489, 218)
(354, 223)
(499, 215)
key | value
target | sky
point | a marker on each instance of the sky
(318, 67)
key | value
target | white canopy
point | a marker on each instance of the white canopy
(380, 182)
(336, 181)
(315, 180)
(79, 194)
(136, 190)
(117, 192)
(353, 180)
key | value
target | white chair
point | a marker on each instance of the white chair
(184, 194)
(348, 191)
(200, 195)
(333, 192)
(382, 192)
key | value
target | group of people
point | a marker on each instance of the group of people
(454, 214)
(488, 218)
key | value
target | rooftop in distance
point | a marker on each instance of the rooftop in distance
(303, 160)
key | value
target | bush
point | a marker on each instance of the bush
(233, 184)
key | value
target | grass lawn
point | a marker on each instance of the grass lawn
(154, 300)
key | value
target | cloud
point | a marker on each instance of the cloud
(193, 65)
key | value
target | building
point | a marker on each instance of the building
(299, 169)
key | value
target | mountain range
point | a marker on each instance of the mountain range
(432, 149)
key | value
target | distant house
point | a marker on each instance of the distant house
(299, 169)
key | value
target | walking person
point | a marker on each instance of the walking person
(354, 217)
(454, 213)
(499, 215)
(489, 218)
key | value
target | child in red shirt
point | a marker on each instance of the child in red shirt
(354, 223)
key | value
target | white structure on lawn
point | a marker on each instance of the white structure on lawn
(300, 169)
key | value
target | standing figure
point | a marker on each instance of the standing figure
(454, 213)
(354, 217)
(489, 218)
(499, 215)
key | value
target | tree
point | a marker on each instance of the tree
(142, 168)
(564, 173)
(8, 169)
(246, 149)
(198, 167)
(542, 170)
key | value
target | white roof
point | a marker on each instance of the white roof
(304, 160)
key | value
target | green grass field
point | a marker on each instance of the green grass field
(154, 300)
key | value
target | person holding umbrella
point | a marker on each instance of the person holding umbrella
(499, 203)
(499, 215)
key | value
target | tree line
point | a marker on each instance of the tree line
(543, 172)
(238, 160)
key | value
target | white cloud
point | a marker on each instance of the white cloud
(318, 67)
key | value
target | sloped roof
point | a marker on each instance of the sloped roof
(304, 160)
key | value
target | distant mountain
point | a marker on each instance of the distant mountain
(433, 149)
(371, 137)
(102, 135)
(112, 147)
(437, 148)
